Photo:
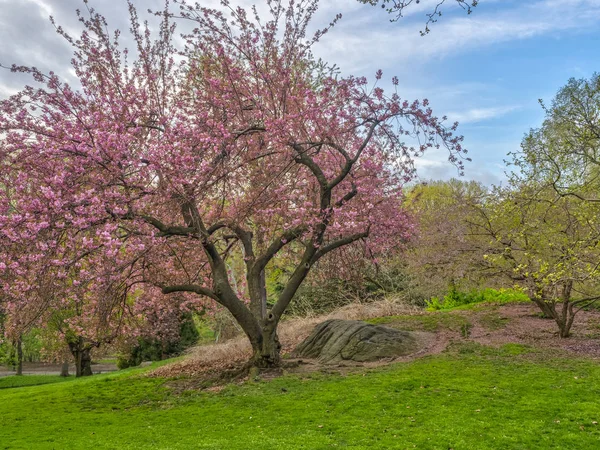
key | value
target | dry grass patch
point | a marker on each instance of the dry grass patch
(233, 353)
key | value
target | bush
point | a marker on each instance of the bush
(157, 350)
(31, 344)
(323, 293)
(7, 354)
(455, 298)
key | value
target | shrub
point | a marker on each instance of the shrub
(323, 293)
(455, 298)
(156, 350)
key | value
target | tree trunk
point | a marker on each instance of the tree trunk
(83, 359)
(64, 370)
(563, 316)
(566, 319)
(86, 362)
(564, 330)
(263, 295)
(20, 356)
(266, 349)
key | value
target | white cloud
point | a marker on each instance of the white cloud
(475, 115)
(436, 167)
(362, 39)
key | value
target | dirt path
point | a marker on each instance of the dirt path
(53, 369)
(523, 324)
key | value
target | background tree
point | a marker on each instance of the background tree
(445, 252)
(161, 170)
(547, 244)
(553, 206)
(565, 151)
(166, 328)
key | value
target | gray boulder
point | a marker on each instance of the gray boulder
(336, 340)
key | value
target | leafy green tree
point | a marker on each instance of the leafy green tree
(545, 228)
(545, 243)
(445, 252)
(564, 152)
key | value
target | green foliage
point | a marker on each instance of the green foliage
(455, 298)
(455, 400)
(7, 354)
(563, 152)
(156, 350)
(206, 329)
(546, 243)
(31, 345)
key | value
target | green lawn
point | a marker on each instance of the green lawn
(14, 381)
(471, 397)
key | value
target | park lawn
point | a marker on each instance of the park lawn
(14, 381)
(471, 397)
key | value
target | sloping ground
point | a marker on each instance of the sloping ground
(486, 324)
(229, 355)
(496, 325)
(471, 397)
(522, 323)
(496, 377)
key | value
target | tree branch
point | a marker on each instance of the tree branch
(276, 245)
(339, 243)
(304, 159)
(200, 290)
(351, 161)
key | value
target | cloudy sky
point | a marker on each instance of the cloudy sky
(486, 70)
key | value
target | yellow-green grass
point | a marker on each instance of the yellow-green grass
(471, 397)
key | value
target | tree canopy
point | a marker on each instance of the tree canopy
(564, 152)
(170, 161)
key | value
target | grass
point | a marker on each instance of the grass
(425, 322)
(472, 397)
(111, 360)
(14, 381)
(493, 320)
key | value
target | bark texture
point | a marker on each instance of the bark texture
(20, 356)
(64, 369)
(350, 340)
(82, 353)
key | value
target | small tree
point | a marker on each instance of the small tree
(555, 205)
(160, 171)
(547, 244)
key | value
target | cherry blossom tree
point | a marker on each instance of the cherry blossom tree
(76, 317)
(172, 161)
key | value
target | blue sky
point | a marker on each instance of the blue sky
(486, 70)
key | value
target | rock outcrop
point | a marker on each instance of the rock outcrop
(336, 340)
